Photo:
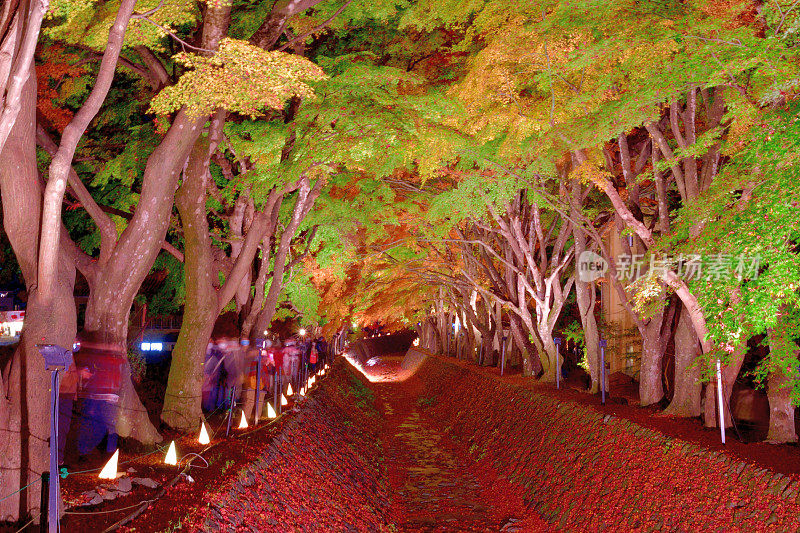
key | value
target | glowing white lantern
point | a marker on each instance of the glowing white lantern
(289, 390)
(243, 423)
(284, 401)
(271, 411)
(203, 438)
(110, 470)
(172, 455)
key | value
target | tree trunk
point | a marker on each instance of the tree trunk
(306, 197)
(781, 409)
(779, 391)
(651, 387)
(182, 400)
(549, 350)
(25, 399)
(531, 365)
(686, 399)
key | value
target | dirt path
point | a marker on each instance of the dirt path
(437, 485)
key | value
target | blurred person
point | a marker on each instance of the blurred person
(71, 382)
(291, 361)
(234, 365)
(255, 388)
(322, 350)
(212, 369)
(313, 358)
(103, 361)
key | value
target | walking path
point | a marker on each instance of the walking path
(437, 485)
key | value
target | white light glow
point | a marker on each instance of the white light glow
(243, 424)
(203, 438)
(271, 411)
(172, 455)
(284, 401)
(302, 332)
(110, 470)
(289, 390)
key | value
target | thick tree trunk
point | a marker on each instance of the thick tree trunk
(686, 399)
(531, 365)
(779, 392)
(549, 350)
(182, 401)
(24, 397)
(781, 409)
(651, 387)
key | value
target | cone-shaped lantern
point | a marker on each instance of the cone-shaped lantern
(110, 470)
(172, 455)
(289, 391)
(243, 423)
(302, 391)
(271, 411)
(284, 401)
(203, 438)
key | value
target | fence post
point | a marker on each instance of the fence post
(557, 340)
(503, 356)
(603, 345)
(230, 410)
(258, 381)
(720, 402)
(56, 358)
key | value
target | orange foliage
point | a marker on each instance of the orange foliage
(56, 68)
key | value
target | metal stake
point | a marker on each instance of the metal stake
(557, 340)
(603, 344)
(720, 403)
(230, 411)
(503, 356)
(258, 383)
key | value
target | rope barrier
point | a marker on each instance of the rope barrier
(20, 490)
(142, 506)
(108, 511)
(65, 473)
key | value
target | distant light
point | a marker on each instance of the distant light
(203, 438)
(243, 423)
(156, 346)
(289, 390)
(416, 342)
(172, 455)
(355, 324)
(302, 332)
(76, 346)
(265, 332)
(145, 346)
(110, 470)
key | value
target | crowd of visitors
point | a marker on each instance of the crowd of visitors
(90, 388)
(232, 369)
